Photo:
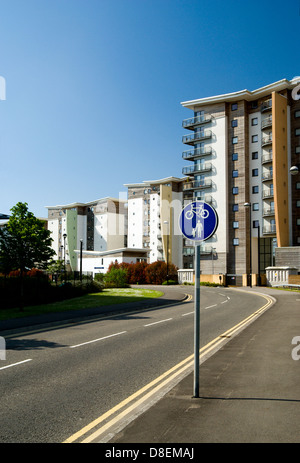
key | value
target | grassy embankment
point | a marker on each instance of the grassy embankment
(106, 297)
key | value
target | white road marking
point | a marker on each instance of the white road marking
(189, 313)
(14, 364)
(210, 306)
(99, 339)
(160, 321)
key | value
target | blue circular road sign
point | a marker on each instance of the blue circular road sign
(198, 221)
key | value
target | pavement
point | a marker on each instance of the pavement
(249, 389)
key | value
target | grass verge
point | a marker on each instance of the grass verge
(106, 297)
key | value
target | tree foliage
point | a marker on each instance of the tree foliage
(24, 241)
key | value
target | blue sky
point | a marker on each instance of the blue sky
(93, 87)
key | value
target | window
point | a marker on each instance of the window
(235, 156)
(298, 203)
(254, 138)
(254, 121)
(254, 172)
(255, 189)
(234, 106)
(255, 224)
(234, 140)
(235, 190)
(297, 150)
(297, 132)
(235, 173)
(234, 123)
(235, 225)
(298, 221)
(235, 241)
(298, 186)
(255, 155)
(297, 113)
(235, 207)
(255, 207)
(254, 104)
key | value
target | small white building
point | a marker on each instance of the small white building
(98, 262)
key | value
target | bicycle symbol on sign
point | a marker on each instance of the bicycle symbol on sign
(199, 211)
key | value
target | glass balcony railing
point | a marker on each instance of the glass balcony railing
(269, 229)
(266, 105)
(268, 211)
(268, 157)
(197, 120)
(268, 193)
(196, 136)
(267, 175)
(199, 184)
(266, 122)
(205, 167)
(197, 152)
(266, 140)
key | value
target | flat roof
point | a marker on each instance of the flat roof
(113, 251)
(69, 206)
(244, 94)
(156, 182)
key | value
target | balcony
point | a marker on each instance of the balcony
(266, 122)
(204, 167)
(198, 120)
(269, 229)
(267, 175)
(266, 105)
(198, 184)
(196, 137)
(266, 158)
(268, 193)
(268, 211)
(197, 152)
(266, 140)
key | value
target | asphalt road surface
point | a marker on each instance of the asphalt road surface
(56, 381)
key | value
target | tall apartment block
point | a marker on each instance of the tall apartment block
(153, 214)
(240, 148)
(100, 224)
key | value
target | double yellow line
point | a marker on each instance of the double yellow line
(157, 387)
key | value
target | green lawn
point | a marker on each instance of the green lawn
(106, 297)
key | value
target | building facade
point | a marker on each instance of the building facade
(240, 148)
(100, 224)
(153, 212)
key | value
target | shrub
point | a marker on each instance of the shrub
(116, 278)
(156, 273)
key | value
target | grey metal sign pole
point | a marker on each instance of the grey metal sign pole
(198, 221)
(197, 321)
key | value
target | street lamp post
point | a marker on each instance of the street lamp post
(250, 247)
(167, 223)
(64, 237)
(81, 243)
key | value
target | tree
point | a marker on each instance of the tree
(24, 242)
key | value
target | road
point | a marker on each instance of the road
(55, 382)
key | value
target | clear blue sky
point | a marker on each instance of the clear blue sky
(93, 87)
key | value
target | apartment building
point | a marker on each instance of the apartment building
(100, 224)
(153, 213)
(240, 147)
